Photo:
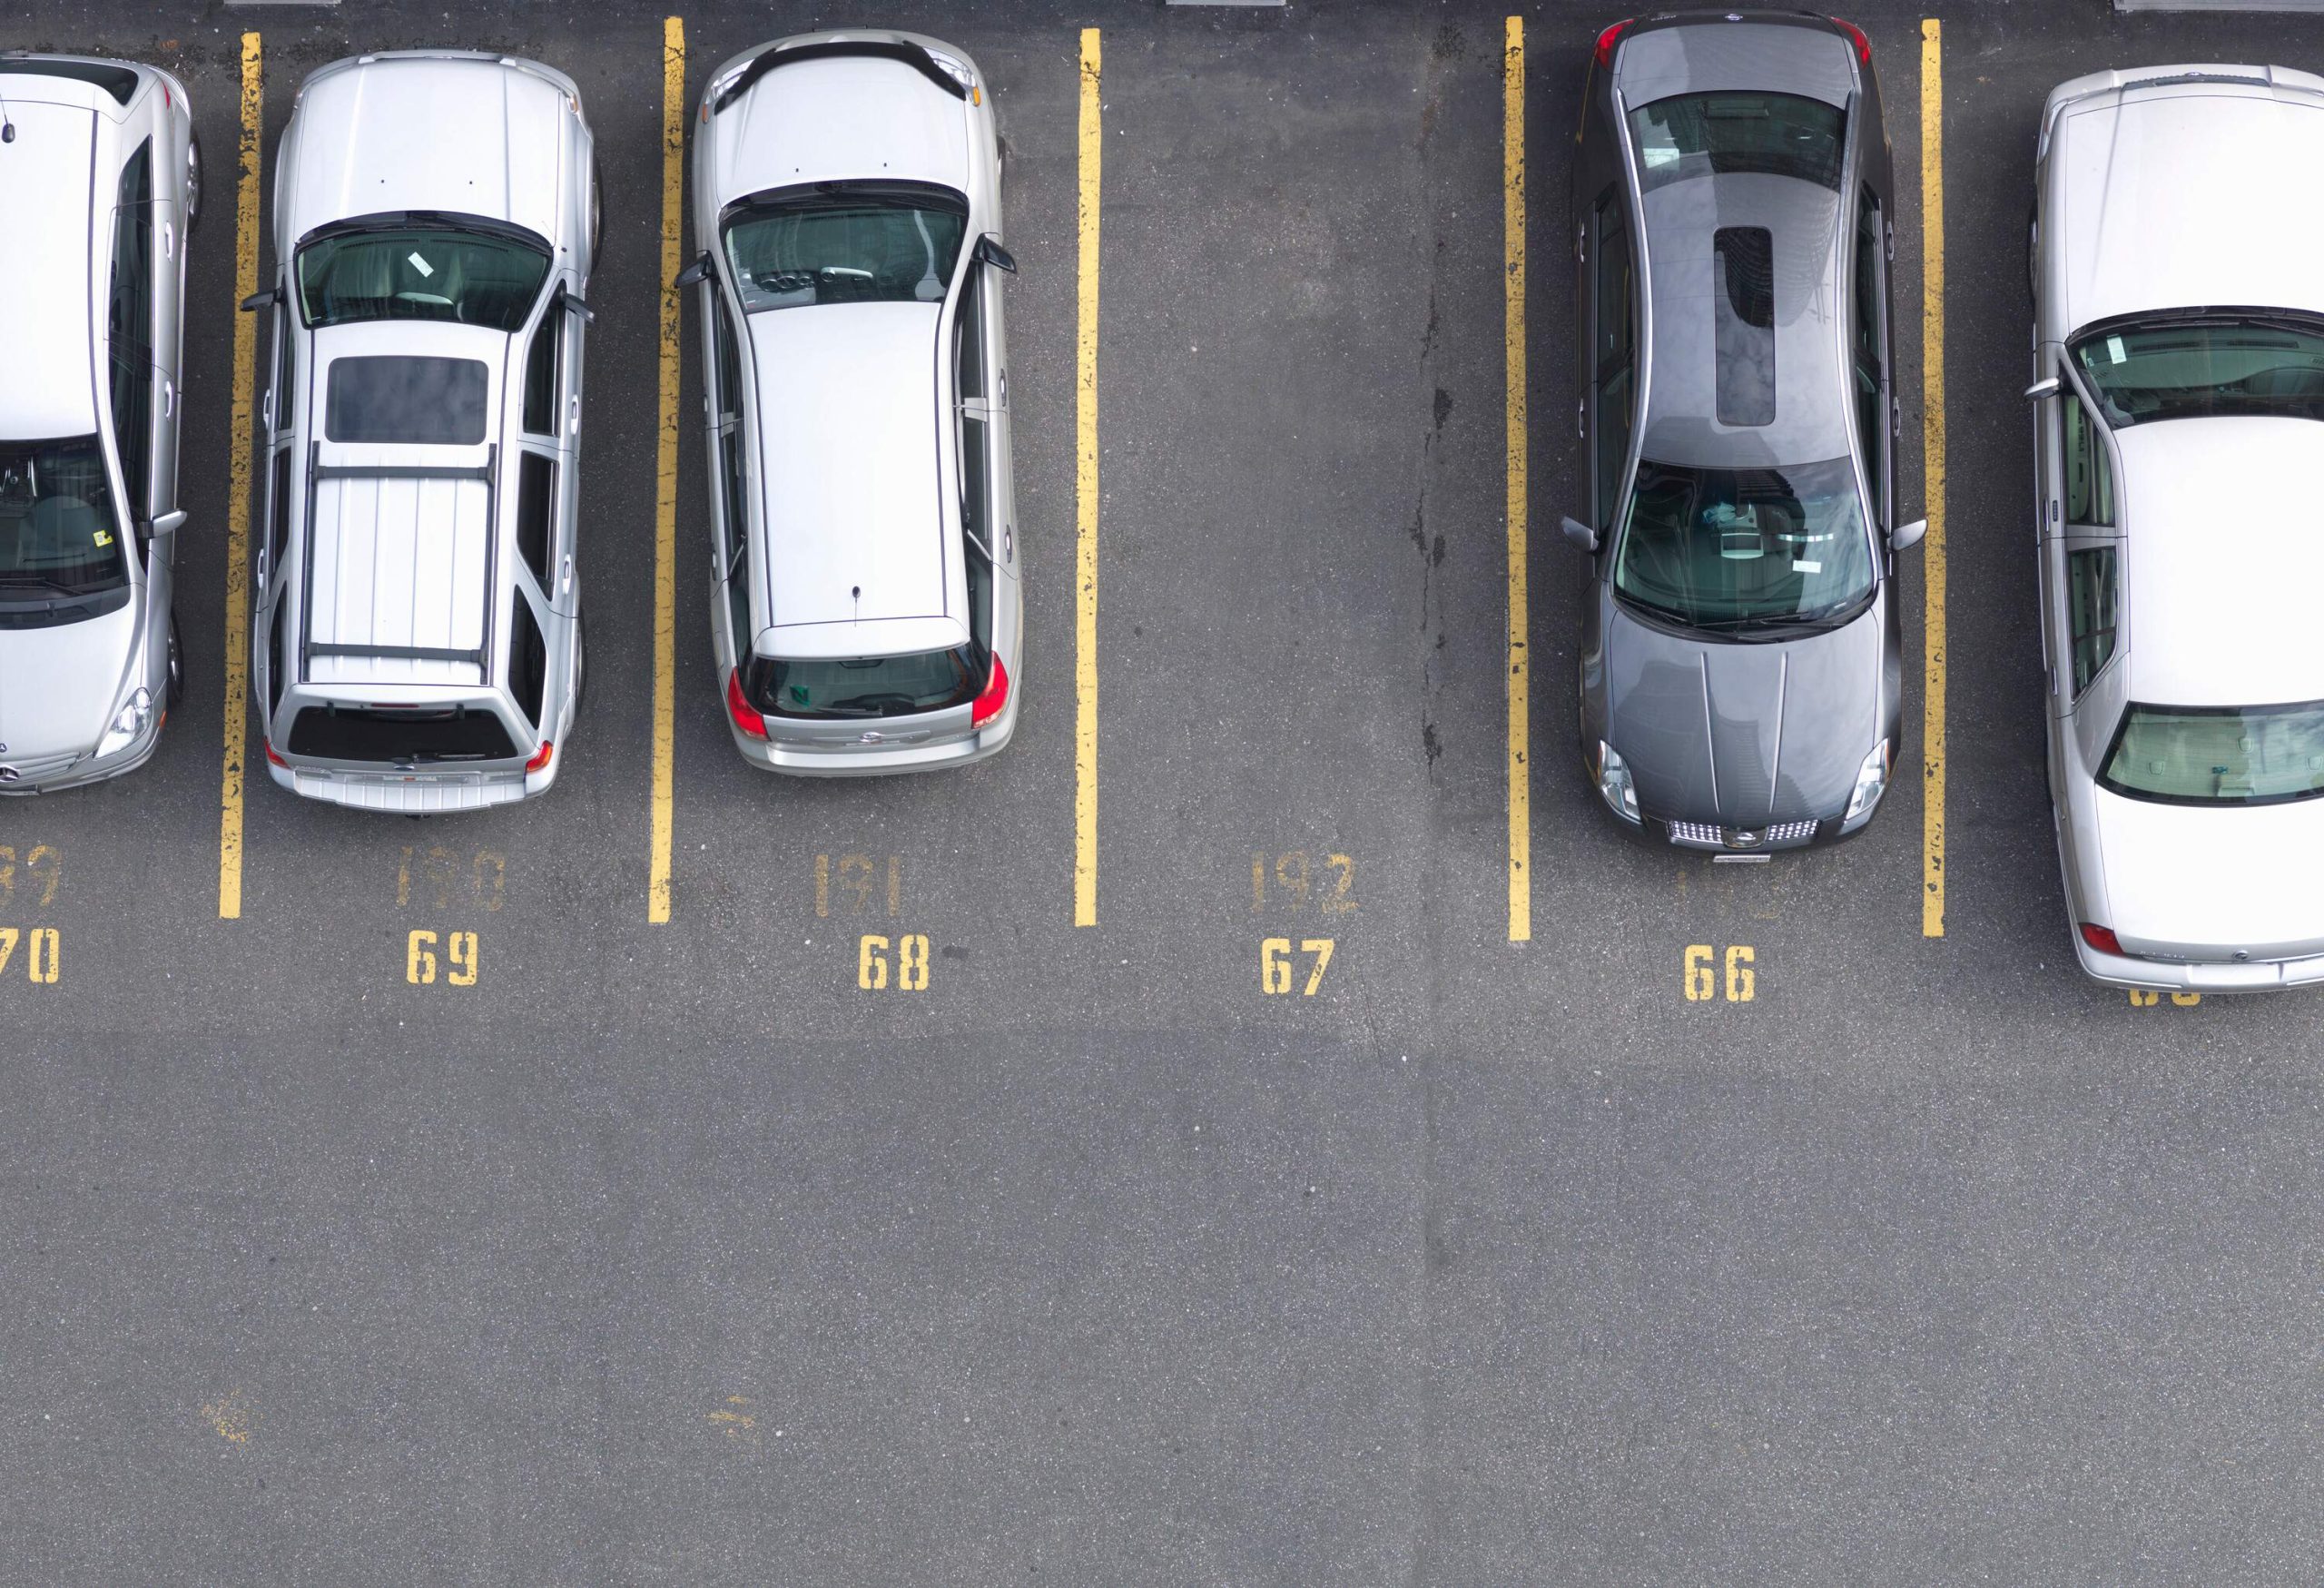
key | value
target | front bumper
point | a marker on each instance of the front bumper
(2196, 976)
(57, 775)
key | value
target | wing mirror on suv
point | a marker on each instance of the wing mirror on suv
(1580, 533)
(694, 274)
(258, 301)
(1904, 536)
(988, 249)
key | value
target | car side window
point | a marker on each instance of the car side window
(1613, 338)
(535, 512)
(277, 512)
(1871, 351)
(976, 531)
(130, 327)
(730, 361)
(281, 410)
(2090, 477)
(2089, 598)
(968, 336)
(528, 661)
(275, 682)
(541, 365)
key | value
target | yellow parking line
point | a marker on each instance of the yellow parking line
(1513, 247)
(1932, 479)
(238, 493)
(1084, 430)
(665, 475)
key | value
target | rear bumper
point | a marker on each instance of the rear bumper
(2173, 976)
(416, 795)
(878, 760)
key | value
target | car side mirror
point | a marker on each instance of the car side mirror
(1906, 535)
(1583, 536)
(2042, 389)
(258, 301)
(694, 274)
(988, 249)
(149, 529)
(576, 304)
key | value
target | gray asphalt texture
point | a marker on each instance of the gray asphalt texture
(666, 1254)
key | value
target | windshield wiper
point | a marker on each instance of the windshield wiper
(58, 586)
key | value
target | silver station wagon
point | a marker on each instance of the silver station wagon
(99, 182)
(864, 604)
(417, 646)
(2178, 398)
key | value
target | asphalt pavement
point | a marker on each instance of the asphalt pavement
(672, 1253)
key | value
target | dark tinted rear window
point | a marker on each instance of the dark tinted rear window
(1717, 134)
(349, 733)
(408, 401)
(866, 686)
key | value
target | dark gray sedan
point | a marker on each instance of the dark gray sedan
(1732, 209)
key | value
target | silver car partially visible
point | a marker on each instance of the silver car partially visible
(865, 607)
(2179, 410)
(100, 180)
(417, 644)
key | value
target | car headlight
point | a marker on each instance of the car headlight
(1871, 782)
(1614, 783)
(130, 722)
(954, 67)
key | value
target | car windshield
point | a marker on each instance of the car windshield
(402, 271)
(2218, 756)
(60, 537)
(1707, 134)
(845, 243)
(866, 686)
(2195, 369)
(1734, 548)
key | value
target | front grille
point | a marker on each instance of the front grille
(1725, 837)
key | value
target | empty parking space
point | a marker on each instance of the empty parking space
(1156, 1153)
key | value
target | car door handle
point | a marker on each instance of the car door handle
(169, 399)
(565, 576)
(573, 412)
(169, 241)
(1004, 387)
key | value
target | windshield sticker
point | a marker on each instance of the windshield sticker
(2114, 350)
(103, 537)
(1807, 568)
(425, 269)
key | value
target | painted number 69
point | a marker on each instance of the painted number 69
(1702, 986)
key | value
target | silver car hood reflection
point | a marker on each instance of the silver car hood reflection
(57, 685)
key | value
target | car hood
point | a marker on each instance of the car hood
(2201, 883)
(1742, 734)
(57, 685)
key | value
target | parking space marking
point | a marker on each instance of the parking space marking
(1084, 430)
(1932, 479)
(1513, 232)
(238, 493)
(666, 476)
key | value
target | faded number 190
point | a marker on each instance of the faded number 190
(459, 958)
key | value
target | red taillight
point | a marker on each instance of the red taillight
(1862, 44)
(272, 756)
(2101, 938)
(747, 716)
(1609, 38)
(541, 757)
(994, 696)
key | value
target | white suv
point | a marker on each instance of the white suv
(99, 182)
(417, 644)
(865, 607)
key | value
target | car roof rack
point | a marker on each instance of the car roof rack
(489, 474)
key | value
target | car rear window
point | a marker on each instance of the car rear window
(399, 737)
(408, 401)
(866, 686)
(2218, 756)
(1718, 135)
